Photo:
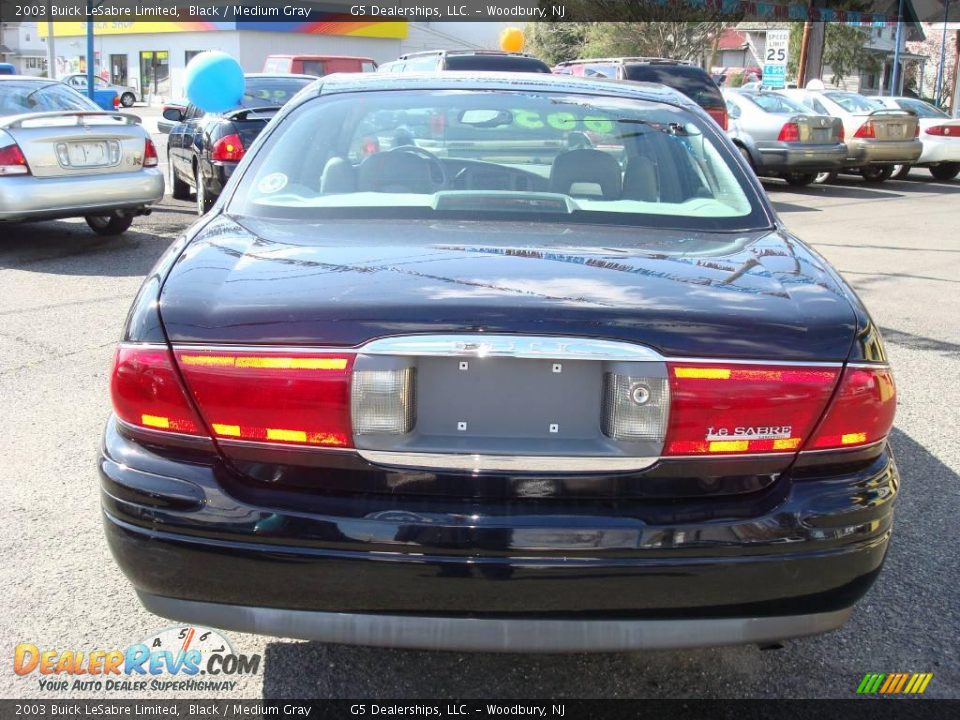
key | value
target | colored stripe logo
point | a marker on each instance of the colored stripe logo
(894, 683)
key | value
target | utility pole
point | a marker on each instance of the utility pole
(813, 58)
(802, 63)
(91, 88)
(895, 76)
(938, 86)
(955, 107)
(51, 52)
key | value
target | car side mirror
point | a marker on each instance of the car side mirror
(173, 114)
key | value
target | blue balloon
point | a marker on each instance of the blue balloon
(214, 81)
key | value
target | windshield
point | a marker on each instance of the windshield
(778, 104)
(264, 91)
(922, 109)
(491, 155)
(851, 102)
(31, 96)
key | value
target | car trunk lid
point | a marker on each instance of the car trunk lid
(818, 129)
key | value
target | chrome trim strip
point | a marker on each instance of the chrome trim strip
(493, 634)
(516, 346)
(505, 463)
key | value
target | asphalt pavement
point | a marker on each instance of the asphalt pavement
(64, 293)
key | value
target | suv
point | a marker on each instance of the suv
(681, 75)
(472, 60)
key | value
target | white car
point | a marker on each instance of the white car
(878, 138)
(62, 156)
(939, 134)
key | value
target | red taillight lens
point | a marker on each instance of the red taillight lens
(865, 131)
(789, 133)
(12, 161)
(229, 148)
(916, 132)
(726, 409)
(146, 392)
(862, 411)
(150, 158)
(842, 133)
(719, 114)
(116, 102)
(943, 130)
(276, 397)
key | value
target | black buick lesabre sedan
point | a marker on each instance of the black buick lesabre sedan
(498, 363)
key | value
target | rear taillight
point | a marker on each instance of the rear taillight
(270, 396)
(943, 130)
(229, 148)
(916, 132)
(12, 161)
(842, 134)
(724, 409)
(147, 393)
(865, 131)
(719, 114)
(116, 102)
(789, 133)
(861, 412)
(150, 158)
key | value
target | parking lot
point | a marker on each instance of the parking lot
(64, 293)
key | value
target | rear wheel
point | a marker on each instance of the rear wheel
(112, 224)
(204, 203)
(877, 173)
(746, 156)
(945, 171)
(127, 99)
(798, 179)
(900, 172)
(178, 188)
(826, 177)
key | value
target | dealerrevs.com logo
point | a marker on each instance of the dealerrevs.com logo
(181, 658)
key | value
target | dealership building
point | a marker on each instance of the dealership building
(152, 56)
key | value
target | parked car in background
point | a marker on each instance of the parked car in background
(165, 126)
(783, 138)
(127, 93)
(939, 135)
(61, 156)
(465, 60)
(691, 80)
(7, 69)
(105, 98)
(471, 398)
(317, 65)
(204, 148)
(877, 138)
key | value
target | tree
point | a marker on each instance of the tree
(844, 50)
(555, 42)
(676, 40)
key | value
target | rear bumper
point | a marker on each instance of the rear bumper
(486, 574)
(794, 157)
(937, 150)
(25, 197)
(871, 152)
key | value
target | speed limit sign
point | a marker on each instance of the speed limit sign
(775, 58)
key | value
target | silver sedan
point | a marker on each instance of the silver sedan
(61, 156)
(783, 138)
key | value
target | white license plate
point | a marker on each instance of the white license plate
(92, 154)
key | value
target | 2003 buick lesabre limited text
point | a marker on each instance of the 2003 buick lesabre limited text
(498, 363)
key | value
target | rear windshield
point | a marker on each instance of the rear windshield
(851, 102)
(265, 91)
(922, 109)
(502, 63)
(777, 104)
(691, 81)
(542, 157)
(29, 96)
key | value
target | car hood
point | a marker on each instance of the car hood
(760, 295)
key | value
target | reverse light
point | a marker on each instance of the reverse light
(862, 411)
(726, 409)
(229, 148)
(150, 158)
(943, 130)
(12, 161)
(635, 408)
(865, 131)
(147, 393)
(382, 401)
(272, 396)
(790, 132)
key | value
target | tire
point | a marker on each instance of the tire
(127, 99)
(178, 188)
(900, 172)
(112, 224)
(204, 203)
(826, 177)
(876, 173)
(945, 171)
(746, 156)
(798, 179)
